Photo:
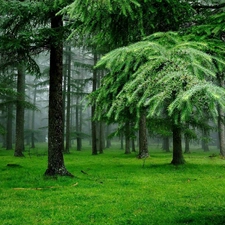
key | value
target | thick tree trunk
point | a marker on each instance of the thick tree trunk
(19, 146)
(143, 143)
(177, 146)
(55, 128)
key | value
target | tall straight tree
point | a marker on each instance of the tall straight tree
(19, 146)
(55, 130)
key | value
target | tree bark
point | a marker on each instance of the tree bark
(55, 128)
(143, 143)
(177, 146)
(19, 146)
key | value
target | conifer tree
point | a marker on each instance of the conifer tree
(165, 68)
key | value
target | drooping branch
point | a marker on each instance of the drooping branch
(200, 6)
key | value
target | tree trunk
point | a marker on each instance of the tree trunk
(108, 140)
(166, 144)
(9, 134)
(78, 125)
(187, 144)
(93, 123)
(33, 120)
(177, 146)
(127, 138)
(19, 146)
(68, 109)
(143, 143)
(221, 132)
(121, 141)
(205, 142)
(55, 127)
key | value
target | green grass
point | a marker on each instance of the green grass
(117, 189)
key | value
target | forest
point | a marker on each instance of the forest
(141, 81)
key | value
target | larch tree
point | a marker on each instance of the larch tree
(167, 69)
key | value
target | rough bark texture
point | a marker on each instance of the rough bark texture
(177, 146)
(19, 146)
(143, 143)
(55, 131)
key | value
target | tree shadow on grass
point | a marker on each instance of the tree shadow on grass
(202, 219)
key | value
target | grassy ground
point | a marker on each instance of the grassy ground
(113, 188)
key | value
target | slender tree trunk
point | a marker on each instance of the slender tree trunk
(93, 124)
(68, 109)
(177, 146)
(143, 143)
(78, 125)
(205, 144)
(127, 138)
(121, 141)
(221, 132)
(108, 141)
(33, 120)
(55, 128)
(187, 144)
(133, 145)
(19, 146)
(166, 144)
(9, 133)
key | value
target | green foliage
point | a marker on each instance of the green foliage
(166, 71)
(109, 24)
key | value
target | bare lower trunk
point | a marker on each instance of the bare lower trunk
(143, 143)
(221, 132)
(19, 146)
(55, 131)
(177, 146)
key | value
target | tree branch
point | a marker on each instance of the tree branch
(199, 6)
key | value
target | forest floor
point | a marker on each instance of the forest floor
(112, 188)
